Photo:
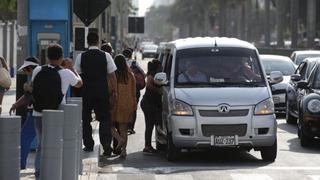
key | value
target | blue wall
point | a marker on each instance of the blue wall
(49, 9)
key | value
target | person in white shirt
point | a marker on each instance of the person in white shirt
(97, 68)
(68, 77)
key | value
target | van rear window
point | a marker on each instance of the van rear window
(218, 67)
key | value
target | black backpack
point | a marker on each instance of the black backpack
(47, 93)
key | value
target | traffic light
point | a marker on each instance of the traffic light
(136, 24)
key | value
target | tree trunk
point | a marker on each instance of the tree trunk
(294, 23)
(222, 17)
(311, 22)
(280, 23)
(249, 20)
(243, 22)
(267, 38)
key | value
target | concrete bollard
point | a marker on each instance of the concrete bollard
(51, 145)
(10, 127)
(70, 142)
(78, 101)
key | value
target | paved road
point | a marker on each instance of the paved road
(293, 161)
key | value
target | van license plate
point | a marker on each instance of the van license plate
(224, 140)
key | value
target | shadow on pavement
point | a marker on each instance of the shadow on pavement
(295, 146)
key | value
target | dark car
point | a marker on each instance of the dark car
(302, 73)
(309, 107)
(287, 68)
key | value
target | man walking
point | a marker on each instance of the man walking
(96, 68)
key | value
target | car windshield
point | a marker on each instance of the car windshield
(316, 81)
(285, 67)
(301, 57)
(218, 67)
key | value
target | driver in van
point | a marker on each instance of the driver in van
(192, 74)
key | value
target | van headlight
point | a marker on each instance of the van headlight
(265, 107)
(314, 105)
(181, 109)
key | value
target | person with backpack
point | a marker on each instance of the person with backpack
(3, 64)
(28, 132)
(140, 83)
(96, 67)
(49, 87)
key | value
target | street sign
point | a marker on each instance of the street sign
(136, 24)
(89, 10)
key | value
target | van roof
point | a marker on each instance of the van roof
(210, 42)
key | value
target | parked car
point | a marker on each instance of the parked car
(216, 94)
(287, 68)
(309, 107)
(149, 51)
(298, 56)
(302, 73)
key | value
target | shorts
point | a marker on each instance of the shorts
(2, 89)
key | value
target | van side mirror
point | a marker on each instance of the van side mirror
(275, 77)
(303, 85)
(295, 77)
(160, 79)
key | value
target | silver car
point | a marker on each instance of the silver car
(285, 65)
(215, 94)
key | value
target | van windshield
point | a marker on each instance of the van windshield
(222, 67)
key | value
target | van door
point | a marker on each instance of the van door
(166, 95)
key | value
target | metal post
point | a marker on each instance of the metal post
(12, 48)
(51, 145)
(70, 143)
(5, 41)
(10, 127)
(78, 101)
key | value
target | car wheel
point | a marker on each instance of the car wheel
(305, 140)
(172, 152)
(269, 154)
(289, 118)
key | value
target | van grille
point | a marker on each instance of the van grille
(231, 113)
(224, 130)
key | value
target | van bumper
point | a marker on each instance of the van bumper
(261, 132)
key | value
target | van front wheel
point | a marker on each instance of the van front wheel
(172, 152)
(269, 154)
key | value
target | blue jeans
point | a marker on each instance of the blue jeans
(38, 126)
(28, 133)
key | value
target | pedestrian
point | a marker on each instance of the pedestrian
(125, 105)
(106, 47)
(49, 87)
(140, 83)
(3, 64)
(151, 105)
(96, 68)
(28, 132)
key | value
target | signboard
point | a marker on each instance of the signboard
(136, 24)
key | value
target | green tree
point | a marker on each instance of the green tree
(8, 10)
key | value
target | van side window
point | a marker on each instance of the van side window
(168, 65)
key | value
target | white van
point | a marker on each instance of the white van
(215, 94)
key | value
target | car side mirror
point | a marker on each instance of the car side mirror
(160, 79)
(303, 85)
(295, 77)
(275, 77)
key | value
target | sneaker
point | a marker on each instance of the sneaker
(131, 131)
(149, 151)
(87, 149)
(107, 152)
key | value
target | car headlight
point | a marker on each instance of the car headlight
(264, 108)
(314, 105)
(181, 109)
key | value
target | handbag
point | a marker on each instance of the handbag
(5, 79)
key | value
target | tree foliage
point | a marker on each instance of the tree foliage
(8, 9)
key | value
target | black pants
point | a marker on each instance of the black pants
(134, 117)
(152, 114)
(100, 107)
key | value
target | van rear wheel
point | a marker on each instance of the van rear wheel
(269, 154)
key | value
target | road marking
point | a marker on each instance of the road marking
(173, 176)
(250, 177)
(107, 177)
(314, 177)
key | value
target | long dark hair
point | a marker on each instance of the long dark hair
(122, 68)
(154, 67)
